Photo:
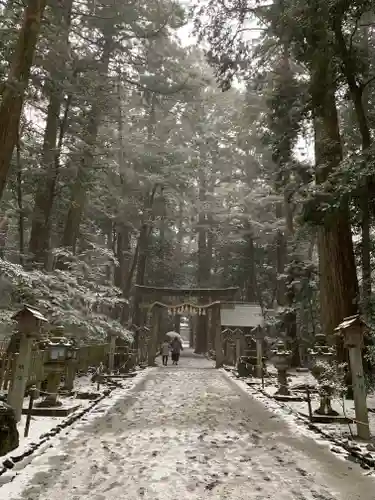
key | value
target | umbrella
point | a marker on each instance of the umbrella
(172, 335)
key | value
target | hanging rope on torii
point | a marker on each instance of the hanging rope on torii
(186, 308)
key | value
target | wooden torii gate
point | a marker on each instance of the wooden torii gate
(184, 301)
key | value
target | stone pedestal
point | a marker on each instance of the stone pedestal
(325, 407)
(53, 383)
(282, 380)
(280, 358)
(70, 374)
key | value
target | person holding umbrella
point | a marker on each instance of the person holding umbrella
(176, 346)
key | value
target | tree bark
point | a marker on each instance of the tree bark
(53, 140)
(4, 227)
(338, 278)
(251, 280)
(122, 255)
(21, 217)
(13, 90)
(204, 269)
(79, 189)
(281, 260)
(140, 258)
(357, 92)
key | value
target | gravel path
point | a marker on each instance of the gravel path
(189, 432)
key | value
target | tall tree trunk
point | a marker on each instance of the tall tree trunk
(122, 255)
(140, 258)
(53, 140)
(79, 189)
(13, 90)
(281, 260)
(251, 280)
(21, 215)
(360, 101)
(4, 227)
(290, 317)
(204, 269)
(338, 278)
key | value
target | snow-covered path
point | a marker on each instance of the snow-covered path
(189, 432)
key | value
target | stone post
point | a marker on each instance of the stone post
(352, 328)
(29, 323)
(112, 351)
(17, 390)
(359, 390)
(218, 337)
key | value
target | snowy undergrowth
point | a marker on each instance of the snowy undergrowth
(341, 449)
(19, 476)
(73, 298)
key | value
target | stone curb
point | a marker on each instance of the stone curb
(353, 451)
(18, 462)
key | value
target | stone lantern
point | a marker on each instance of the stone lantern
(321, 355)
(281, 358)
(29, 323)
(247, 364)
(59, 351)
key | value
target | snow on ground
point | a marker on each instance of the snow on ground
(41, 425)
(343, 406)
(188, 432)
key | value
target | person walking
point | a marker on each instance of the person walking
(165, 349)
(176, 347)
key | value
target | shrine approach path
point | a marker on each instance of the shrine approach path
(190, 432)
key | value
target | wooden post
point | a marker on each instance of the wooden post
(309, 407)
(152, 347)
(218, 336)
(352, 329)
(191, 332)
(259, 367)
(111, 354)
(33, 395)
(238, 348)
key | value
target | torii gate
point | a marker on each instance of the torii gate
(185, 301)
